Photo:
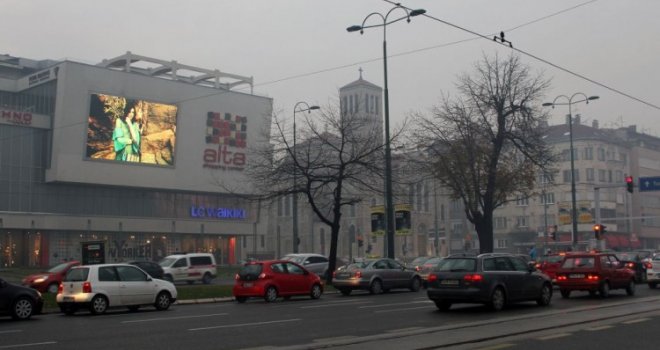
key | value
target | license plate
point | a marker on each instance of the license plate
(576, 275)
(68, 299)
(449, 282)
(247, 285)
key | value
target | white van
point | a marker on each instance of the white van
(189, 267)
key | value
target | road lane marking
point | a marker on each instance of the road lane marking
(245, 324)
(395, 304)
(174, 318)
(599, 328)
(402, 309)
(26, 345)
(335, 305)
(11, 331)
(636, 321)
(497, 347)
(554, 336)
(404, 329)
(336, 339)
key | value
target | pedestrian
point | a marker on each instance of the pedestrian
(532, 253)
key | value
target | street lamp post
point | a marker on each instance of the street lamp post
(389, 206)
(569, 103)
(308, 109)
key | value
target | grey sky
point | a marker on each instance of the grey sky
(299, 50)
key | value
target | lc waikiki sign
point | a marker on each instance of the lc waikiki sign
(217, 213)
(226, 141)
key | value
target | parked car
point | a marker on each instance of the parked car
(50, 280)
(153, 269)
(189, 267)
(417, 262)
(548, 264)
(635, 262)
(103, 286)
(595, 272)
(274, 278)
(494, 279)
(376, 276)
(19, 302)
(427, 268)
(316, 263)
(653, 272)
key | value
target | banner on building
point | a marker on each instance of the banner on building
(584, 213)
(378, 220)
(402, 215)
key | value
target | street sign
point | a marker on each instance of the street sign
(649, 184)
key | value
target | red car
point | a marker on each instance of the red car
(548, 264)
(49, 281)
(594, 272)
(275, 278)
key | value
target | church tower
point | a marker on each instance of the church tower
(364, 100)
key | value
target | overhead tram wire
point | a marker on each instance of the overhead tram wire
(566, 70)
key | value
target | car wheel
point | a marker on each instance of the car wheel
(376, 287)
(565, 293)
(604, 290)
(98, 305)
(22, 308)
(546, 295)
(207, 278)
(169, 278)
(345, 291)
(271, 294)
(53, 287)
(652, 285)
(630, 289)
(134, 308)
(416, 284)
(316, 292)
(163, 301)
(241, 300)
(442, 305)
(497, 299)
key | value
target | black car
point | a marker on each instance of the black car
(494, 279)
(19, 302)
(150, 267)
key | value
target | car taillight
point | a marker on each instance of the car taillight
(263, 276)
(417, 268)
(334, 274)
(473, 278)
(538, 266)
(60, 288)
(561, 278)
(358, 274)
(87, 287)
(630, 265)
(432, 278)
(237, 277)
(593, 277)
(648, 265)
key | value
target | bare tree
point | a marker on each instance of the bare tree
(336, 160)
(487, 144)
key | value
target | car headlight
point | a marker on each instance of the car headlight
(40, 279)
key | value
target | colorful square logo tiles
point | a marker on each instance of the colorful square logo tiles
(226, 129)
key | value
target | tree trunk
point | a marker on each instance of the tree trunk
(484, 229)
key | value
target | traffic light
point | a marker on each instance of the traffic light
(630, 184)
(599, 230)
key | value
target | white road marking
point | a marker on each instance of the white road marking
(26, 345)
(396, 304)
(403, 309)
(599, 328)
(497, 347)
(174, 318)
(11, 331)
(335, 305)
(554, 336)
(245, 324)
(636, 321)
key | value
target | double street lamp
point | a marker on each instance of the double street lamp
(389, 206)
(569, 103)
(304, 107)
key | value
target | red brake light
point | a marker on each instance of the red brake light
(432, 278)
(630, 265)
(473, 278)
(60, 288)
(561, 278)
(648, 265)
(358, 274)
(417, 268)
(237, 277)
(262, 276)
(592, 277)
(87, 287)
(334, 274)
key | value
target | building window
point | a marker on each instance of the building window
(567, 175)
(522, 221)
(601, 175)
(618, 177)
(601, 154)
(502, 243)
(591, 174)
(589, 153)
(548, 198)
(377, 104)
(609, 175)
(522, 201)
(624, 158)
(499, 222)
(350, 104)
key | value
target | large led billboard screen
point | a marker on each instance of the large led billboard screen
(131, 130)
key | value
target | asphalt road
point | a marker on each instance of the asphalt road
(396, 320)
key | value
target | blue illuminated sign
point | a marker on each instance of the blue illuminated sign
(217, 213)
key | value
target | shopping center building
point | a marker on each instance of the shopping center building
(138, 156)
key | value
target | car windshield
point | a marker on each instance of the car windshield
(295, 258)
(77, 275)
(657, 257)
(625, 256)
(419, 261)
(358, 265)
(58, 268)
(457, 265)
(574, 262)
(250, 270)
(167, 262)
(433, 261)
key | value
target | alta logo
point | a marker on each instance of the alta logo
(228, 135)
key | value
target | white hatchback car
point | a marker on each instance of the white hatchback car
(99, 287)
